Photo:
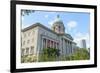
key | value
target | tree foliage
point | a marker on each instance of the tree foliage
(26, 12)
(80, 54)
(52, 54)
(28, 59)
(49, 54)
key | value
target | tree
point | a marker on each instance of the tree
(26, 12)
(81, 54)
(49, 54)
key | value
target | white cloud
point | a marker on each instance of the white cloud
(50, 23)
(46, 16)
(79, 36)
(71, 25)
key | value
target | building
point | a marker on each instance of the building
(83, 43)
(37, 37)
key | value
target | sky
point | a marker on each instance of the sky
(76, 23)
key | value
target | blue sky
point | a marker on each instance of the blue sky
(76, 23)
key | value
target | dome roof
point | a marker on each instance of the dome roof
(58, 26)
(58, 21)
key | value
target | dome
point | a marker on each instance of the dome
(58, 25)
(58, 21)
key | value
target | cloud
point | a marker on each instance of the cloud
(71, 25)
(79, 36)
(50, 23)
(46, 16)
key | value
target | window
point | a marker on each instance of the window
(27, 51)
(44, 33)
(23, 42)
(22, 52)
(28, 41)
(32, 39)
(29, 33)
(24, 35)
(33, 31)
(32, 50)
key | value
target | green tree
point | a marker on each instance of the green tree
(26, 12)
(81, 54)
(49, 54)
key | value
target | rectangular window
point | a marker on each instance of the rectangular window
(24, 35)
(22, 52)
(32, 40)
(32, 50)
(27, 51)
(29, 33)
(28, 41)
(23, 42)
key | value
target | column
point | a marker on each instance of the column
(42, 44)
(46, 43)
(50, 44)
(62, 46)
(56, 45)
(53, 44)
(71, 47)
(66, 47)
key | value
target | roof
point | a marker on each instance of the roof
(68, 36)
(58, 22)
(35, 25)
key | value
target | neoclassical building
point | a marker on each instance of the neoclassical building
(37, 37)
